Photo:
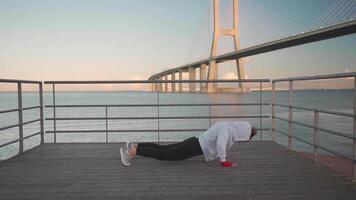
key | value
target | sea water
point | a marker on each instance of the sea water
(335, 100)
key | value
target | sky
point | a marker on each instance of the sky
(133, 39)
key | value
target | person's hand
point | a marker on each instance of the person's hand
(228, 164)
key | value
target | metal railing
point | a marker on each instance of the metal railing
(316, 128)
(158, 105)
(20, 110)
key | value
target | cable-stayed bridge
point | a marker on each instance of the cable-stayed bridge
(337, 20)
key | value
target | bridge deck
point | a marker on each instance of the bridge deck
(93, 171)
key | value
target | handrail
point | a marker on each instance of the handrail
(19, 81)
(155, 105)
(157, 81)
(147, 118)
(136, 131)
(317, 77)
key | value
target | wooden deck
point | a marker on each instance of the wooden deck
(265, 170)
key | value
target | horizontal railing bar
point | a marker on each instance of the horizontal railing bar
(334, 152)
(317, 77)
(146, 118)
(24, 138)
(7, 111)
(126, 131)
(14, 110)
(134, 131)
(159, 81)
(8, 127)
(16, 125)
(335, 133)
(19, 81)
(294, 122)
(294, 137)
(318, 146)
(32, 121)
(319, 128)
(31, 108)
(287, 106)
(316, 109)
(302, 124)
(281, 118)
(155, 105)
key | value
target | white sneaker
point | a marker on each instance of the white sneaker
(129, 145)
(125, 157)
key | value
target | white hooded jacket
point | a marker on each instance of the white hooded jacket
(221, 136)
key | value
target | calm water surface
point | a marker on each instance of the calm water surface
(337, 100)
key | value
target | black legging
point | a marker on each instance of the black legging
(178, 151)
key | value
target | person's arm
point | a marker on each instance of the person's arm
(221, 148)
(221, 144)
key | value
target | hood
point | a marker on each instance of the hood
(241, 131)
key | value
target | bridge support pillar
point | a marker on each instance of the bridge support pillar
(232, 32)
(160, 87)
(212, 75)
(192, 76)
(173, 78)
(166, 84)
(240, 73)
(203, 77)
(153, 87)
(180, 78)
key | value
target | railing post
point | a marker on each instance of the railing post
(54, 112)
(273, 110)
(261, 107)
(290, 124)
(354, 134)
(316, 135)
(19, 102)
(41, 112)
(158, 118)
(106, 124)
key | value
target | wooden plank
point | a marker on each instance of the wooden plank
(265, 170)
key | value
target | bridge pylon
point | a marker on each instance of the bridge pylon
(233, 32)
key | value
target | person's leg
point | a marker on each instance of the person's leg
(160, 146)
(178, 151)
(155, 146)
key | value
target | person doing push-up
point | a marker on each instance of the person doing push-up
(213, 144)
